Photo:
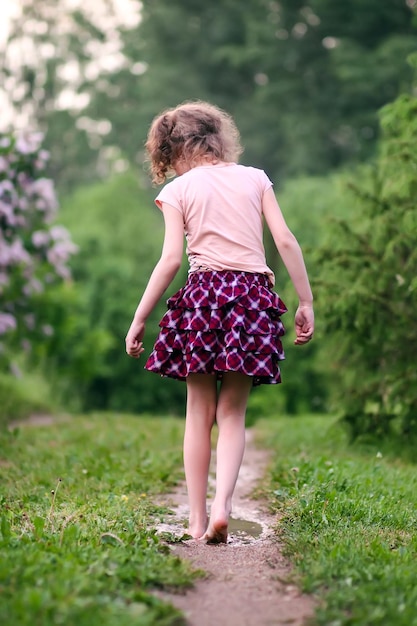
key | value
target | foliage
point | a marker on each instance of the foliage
(303, 80)
(347, 517)
(369, 285)
(119, 235)
(33, 251)
(77, 532)
(308, 204)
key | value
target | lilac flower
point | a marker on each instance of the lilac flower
(7, 322)
(28, 143)
(41, 161)
(33, 253)
(44, 189)
(61, 252)
(63, 271)
(16, 254)
(6, 211)
(25, 182)
(40, 238)
(6, 187)
(13, 254)
(59, 233)
(41, 205)
(4, 164)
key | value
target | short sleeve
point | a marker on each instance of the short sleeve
(170, 195)
(266, 183)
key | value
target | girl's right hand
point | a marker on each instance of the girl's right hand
(304, 324)
(134, 337)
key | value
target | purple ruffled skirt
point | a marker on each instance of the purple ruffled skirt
(219, 322)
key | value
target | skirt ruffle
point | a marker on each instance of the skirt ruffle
(219, 322)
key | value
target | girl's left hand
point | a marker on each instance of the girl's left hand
(134, 337)
(304, 325)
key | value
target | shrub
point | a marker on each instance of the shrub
(34, 251)
(369, 285)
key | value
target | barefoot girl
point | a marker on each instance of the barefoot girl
(224, 324)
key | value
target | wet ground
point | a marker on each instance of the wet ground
(243, 530)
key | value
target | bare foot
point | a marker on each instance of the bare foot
(217, 530)
(197, 528)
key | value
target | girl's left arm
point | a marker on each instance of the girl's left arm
(290, 252)
(161, 277)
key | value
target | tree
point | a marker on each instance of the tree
(57, 57)
(303, 81)
(280, 68)
(369, 285)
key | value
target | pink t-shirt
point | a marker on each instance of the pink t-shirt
(222, 210)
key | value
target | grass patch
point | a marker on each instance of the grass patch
(21, 397)
(88, 554)
(348, 519)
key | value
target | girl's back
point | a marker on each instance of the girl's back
(221, 205)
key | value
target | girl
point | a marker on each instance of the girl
(224, 324)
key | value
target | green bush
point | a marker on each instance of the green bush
(369, 285)
(309, 204)
(119, 234)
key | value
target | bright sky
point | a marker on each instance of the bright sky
(8, 9)
(125, 12)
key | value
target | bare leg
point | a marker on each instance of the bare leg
(200, 416)
(230, 416)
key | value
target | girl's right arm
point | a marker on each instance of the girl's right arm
(290, 252)
(161, 277)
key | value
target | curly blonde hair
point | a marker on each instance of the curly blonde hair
(192, 132)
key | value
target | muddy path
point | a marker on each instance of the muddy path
(248, 582)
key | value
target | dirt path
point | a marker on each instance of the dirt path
(248, 580)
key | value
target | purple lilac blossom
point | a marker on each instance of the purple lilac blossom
(33, 253)
(41, 238)
(28, 143)
(7, 322)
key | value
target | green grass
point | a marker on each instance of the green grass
(21, 397)
(348, 520)
(88, 553)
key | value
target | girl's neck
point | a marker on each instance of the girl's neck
(181, 167)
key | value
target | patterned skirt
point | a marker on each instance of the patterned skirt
(225, 321)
